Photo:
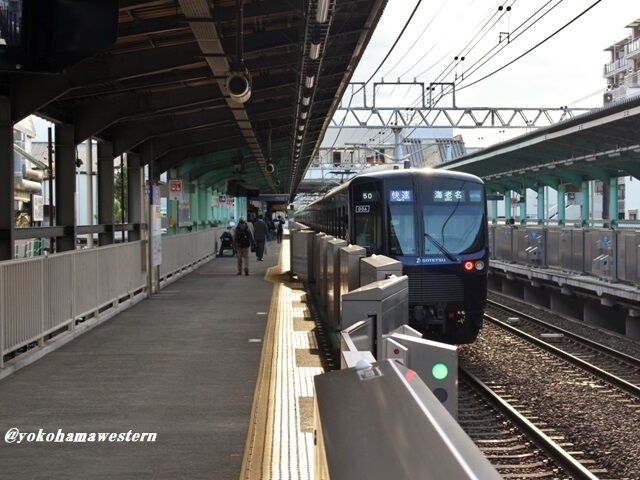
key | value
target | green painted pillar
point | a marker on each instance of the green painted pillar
(507, 205)
(541, 216)
(584, 203)
(561, 204)
(172, 205)
(523, 207)
(193, 205)
(613, 200)
(494, 211)
(202, 209)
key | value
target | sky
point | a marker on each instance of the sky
(560, 72)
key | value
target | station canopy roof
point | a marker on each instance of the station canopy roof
(161, 87)
(597, 145)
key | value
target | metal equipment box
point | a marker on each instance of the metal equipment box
(332, 292)
(316, 258)
(322, 273)
(301, 254)
(382, 422)
(387, 300)
(378, 267)
(349, 272)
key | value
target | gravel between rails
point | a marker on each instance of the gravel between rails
(596, 418)
(610, 339)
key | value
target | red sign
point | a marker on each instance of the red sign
(175, 189)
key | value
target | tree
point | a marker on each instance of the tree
(120, 183)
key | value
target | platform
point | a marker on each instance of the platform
(183, 365)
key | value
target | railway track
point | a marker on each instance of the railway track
(605, 363)
(516, 446)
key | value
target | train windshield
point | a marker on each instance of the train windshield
(453, 217)
(402, 219)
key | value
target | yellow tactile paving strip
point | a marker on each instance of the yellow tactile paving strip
(279, 441)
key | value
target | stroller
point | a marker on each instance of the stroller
(226, 243)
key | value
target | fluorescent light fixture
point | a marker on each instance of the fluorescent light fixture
(303, 115)
(300, 137)
(590, 158)
(301, 128)
(314, 51)
(551, 167)
(309, 81)
(322, 11)
(306, 100)
(568, 162)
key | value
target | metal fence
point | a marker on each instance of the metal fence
(607, 254)
(183, 252)
(42, 295)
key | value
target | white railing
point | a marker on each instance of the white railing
(40, 296)
(184, 252)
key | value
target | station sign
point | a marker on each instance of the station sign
(175, 189)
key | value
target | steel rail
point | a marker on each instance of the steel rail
(574, 336)
(562, 458)
(617, 382)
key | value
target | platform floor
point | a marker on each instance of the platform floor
(182, 364)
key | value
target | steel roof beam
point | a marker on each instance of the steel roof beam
(30, 92)
(177, 156)
(203, 136)
(92, 118)
(254, 10)
(175, 78)
(127, 135)
(152, 26)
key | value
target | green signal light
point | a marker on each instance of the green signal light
(439, 371)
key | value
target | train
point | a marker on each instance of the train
(435, 223)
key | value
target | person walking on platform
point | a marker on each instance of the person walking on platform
(279, 229)
(261, 231)
(243, 240)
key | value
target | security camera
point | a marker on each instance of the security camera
(239, 85)
(270, 168)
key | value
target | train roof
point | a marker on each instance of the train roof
(425, 172)
(376, 173)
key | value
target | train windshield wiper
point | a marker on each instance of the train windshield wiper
(441, 247)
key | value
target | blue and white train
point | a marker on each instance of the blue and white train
(435, 223)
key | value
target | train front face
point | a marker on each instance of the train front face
(435, 224)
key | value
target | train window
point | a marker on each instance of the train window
(402, 234)
(453, 217)
(368, 218)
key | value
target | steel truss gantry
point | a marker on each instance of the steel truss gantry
(425, 111)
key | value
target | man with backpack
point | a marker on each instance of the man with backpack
(243, 239)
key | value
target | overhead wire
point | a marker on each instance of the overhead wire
(444, 93)
(398, 37)
(542, 42)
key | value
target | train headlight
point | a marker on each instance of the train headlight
(479, 265)
(468, 266)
